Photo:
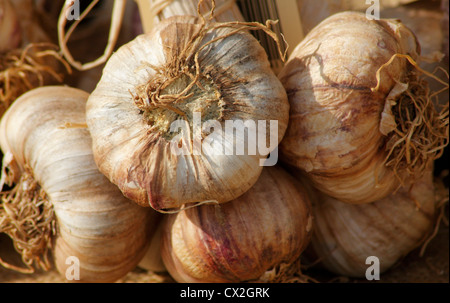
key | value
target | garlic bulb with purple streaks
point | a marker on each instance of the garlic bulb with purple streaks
(240, 240)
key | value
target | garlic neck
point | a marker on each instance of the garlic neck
(163, 101)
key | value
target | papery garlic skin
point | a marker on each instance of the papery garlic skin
(335, 118)
(45, 130)
(136, 155)
(345, 235)
(238, 241)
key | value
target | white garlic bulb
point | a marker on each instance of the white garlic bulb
(44, 131)
(185, 66)
(361, 119)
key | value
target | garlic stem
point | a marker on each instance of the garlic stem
(116, 22)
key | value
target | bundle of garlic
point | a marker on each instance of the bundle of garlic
(362, 121)
(60, 201)
(190, 74)
(270, 225)
(345, 236)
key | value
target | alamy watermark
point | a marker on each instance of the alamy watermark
(373, 271)
(73, 270)
(73, 11)
(233, 137)
(373, 11)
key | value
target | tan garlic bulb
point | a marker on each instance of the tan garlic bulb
(186, 68)
(46, 143)
(238, 241)
(360, 118)
(345, 235)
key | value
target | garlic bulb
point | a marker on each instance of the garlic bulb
(10, 33)
(345, 235)
(361, 121)
(240, 240)
(45, 136)
(186, 67)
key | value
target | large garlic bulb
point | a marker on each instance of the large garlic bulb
(345, 235)
(238, 241)
(186, 67)
(44, 131)
(342, 91)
